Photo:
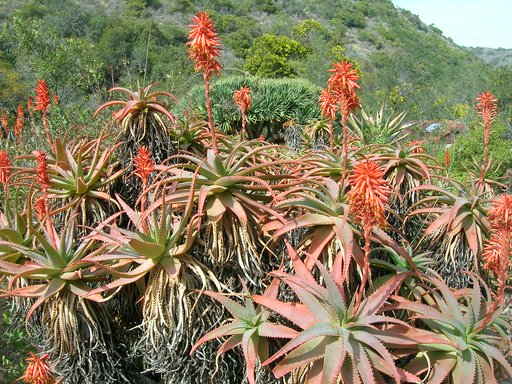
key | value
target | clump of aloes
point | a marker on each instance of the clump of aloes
(338, 341)
(204, 46)
(242, 99)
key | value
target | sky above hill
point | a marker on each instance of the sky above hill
(471, 23)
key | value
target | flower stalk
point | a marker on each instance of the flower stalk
(242, 99)
(204, 46)
(368, 198)
(42, 104)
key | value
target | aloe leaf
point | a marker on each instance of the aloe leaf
(146, 249)
(267, 329)
(54, 286)
(302, 355)
(298, 314)
(313, 332)
(235, 328)
(250, 350)
(374, 303)
(237, 311)
(333, 359)
(230, 343)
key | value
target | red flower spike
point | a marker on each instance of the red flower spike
(20, 120)
(42, 169)
(41, 208)
(56, 99)
(204, 44)
(242, 99)
(328, 104)
(343, 77)
(30, 104)
(500, 215)
(498, 248)
(369, 193)
(5, 167)
(38, 371)
(43, 96)
(144, 164)
(446, 157)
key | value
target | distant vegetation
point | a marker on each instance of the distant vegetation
(84, 48)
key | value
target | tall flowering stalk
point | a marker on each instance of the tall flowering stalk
(343, 84)
(42, 104)
(204, 46)
(487, 108)
(328, 109)
(368, 199)
(5, 168)
(144, 167)
(498, 248)
(5, 123)
(20, 121)
(38, 371)
(41, 206)
(242, 99)
(30, 105)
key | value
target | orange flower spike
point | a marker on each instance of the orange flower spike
(38, 371)
(328, 104)
(500, 215)
(20, 120)
(41, 208)
(487, 106)
(42, 169)
(56, 100)
(144, 164)
(242, 98)
(42, 97)
(30, 104)
(343, 76)
(204, 44)
(5, 167)
(369, 193)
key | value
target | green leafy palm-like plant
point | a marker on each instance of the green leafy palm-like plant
(336, 339)
(478, 343)
(249, 328)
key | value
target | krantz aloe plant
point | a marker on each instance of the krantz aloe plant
(338, 341)
(478, 343)
(249, 328)
(57, 282)
(232, 193)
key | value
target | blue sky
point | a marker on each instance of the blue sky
(471, 23)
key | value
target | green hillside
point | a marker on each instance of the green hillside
(84, 48)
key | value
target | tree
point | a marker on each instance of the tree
(274, 56)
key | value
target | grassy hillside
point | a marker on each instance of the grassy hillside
(496, 57)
